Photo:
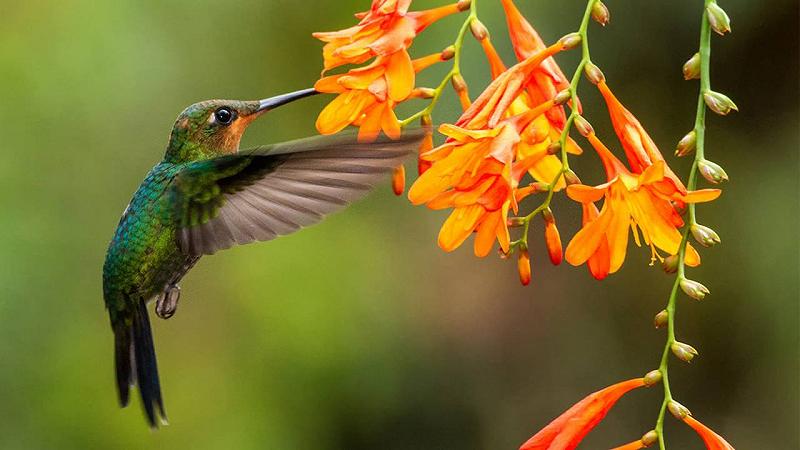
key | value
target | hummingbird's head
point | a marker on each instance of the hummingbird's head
(215, 127)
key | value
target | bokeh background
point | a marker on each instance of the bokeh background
(359, 333)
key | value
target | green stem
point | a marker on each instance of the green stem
(573, 92)
(699, 129)
(454, 70)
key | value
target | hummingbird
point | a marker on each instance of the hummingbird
(207, 195)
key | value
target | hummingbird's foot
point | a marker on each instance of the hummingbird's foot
(167, 303)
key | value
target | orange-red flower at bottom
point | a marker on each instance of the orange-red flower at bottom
(569, 429)
(712, 440)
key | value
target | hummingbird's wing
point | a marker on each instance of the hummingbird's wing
(264, 192)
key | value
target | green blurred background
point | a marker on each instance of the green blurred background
(359, 333)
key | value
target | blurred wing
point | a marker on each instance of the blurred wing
(265, 192)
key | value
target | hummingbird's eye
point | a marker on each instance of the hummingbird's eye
(224, 115)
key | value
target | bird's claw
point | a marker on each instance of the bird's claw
(167, 303)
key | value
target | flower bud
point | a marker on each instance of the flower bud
(691, 68)
(583, 126)
(458, 82)
(712, 171)
(687, 144)
(652, 378)
(552, 239)
(670, 264)
(478, 29)
(694, 289)
(679, 411)
(600, 13)
(399, 180)
(448, 53)
(562, 97)
(719, 103)
(464, 5)
(571, 177)
(524, 265)
(718, 19)
(554, 148)
(570, 41)
(423, 92)
(661, 319)
(650, 438)
(593, 73)
(516, 221)
(684, 352)
(704, 235)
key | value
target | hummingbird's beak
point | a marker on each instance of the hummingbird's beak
(273, 102)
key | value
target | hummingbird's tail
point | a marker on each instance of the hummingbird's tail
(135, 359)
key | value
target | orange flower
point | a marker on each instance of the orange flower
(640, 149)
(712, 440)
(552, 239)
(368, 95)
(547, 79)
(473, 173)
(388, 27)
(568, 430)
(637, 202)
(538, 136)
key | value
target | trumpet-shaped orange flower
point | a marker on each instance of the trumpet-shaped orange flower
(475, 174)
(548, 79)
(568, 430)
(388, 27)
(368, 95)
(639, 147)
(712, 440)
(633, 202)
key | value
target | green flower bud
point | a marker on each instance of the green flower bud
(661, 319)
(718, 19)
(694, 289)
(719, 103)
(554, 148)
(571, 177)
(593, 73)
(670, 264)
(687, 144)
(652, 378)
(600, 13)
(691, 68)
(704, 235)
(570, 41)
(712, 171)
(650, 438)
(478, 29)
(562, 97)
(583, 126)
(679, 411)
(684, 352)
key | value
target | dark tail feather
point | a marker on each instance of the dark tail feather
(136, 364)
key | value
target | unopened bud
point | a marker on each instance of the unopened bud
(650, 438)
(652, 378)
(554, 148)
(694, 289)
(687, 144)
(704, 235)
(691, 68)
(570, 41)
(552, 238)
(478, 29)
(524, 265)
(571, 177)
(719, 103)
(583, 126)
(593, 73)
(718, 18)
(661, 319)
(679, 411)
(448, 53)
(600, 13)
(562, 97)
(464, 5)
(670, 264)
(459, 84)
(423, 92)
(399, 180)
(684, 352)
(712, 172)
(516, 221)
